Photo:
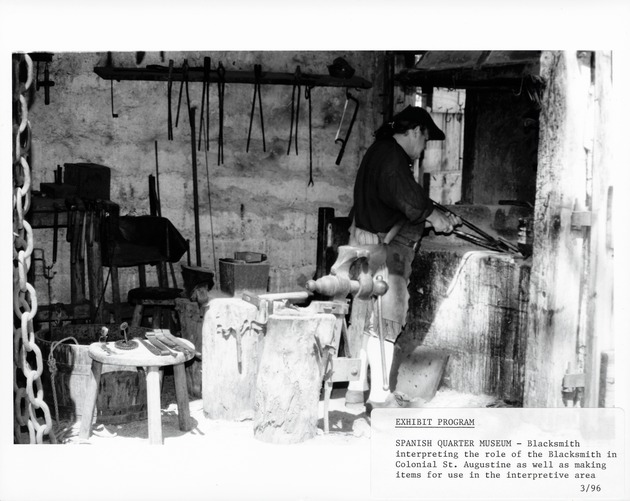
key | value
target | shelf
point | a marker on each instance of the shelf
(160, 73)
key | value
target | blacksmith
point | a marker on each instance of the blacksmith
(388, 200)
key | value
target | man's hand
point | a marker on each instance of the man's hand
(443, 223)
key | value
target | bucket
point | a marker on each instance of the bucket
(122, 394)
(196, 276)
(248, 271)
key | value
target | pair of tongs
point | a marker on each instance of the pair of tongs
(338, 139)
(482, 238)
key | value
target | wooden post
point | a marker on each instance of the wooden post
(95, 269)
(191, 321)
(231, 351)
(181, 394)
(599, 321)
(290, 377)
(557, 288)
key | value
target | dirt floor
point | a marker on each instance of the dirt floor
(347, 423)
(223, 460)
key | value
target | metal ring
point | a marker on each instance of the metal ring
(29, 71)
(24, 117)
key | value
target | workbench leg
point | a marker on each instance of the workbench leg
(115, 293)
(89, 404)
(181, 392)
(154, 408)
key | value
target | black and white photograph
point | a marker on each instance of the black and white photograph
(275, 253)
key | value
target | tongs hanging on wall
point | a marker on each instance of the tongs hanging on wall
(482, 238)
(338, 138)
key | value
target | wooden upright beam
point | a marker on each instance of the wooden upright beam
(559, 311)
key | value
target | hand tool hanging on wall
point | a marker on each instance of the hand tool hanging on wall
(338, 139)
(181, 87)
(47, 83)
(170, 87)
(221, 89)
(257, 73)
(157, 183)
(295, 110)
(205, 98)
(307, 96)
(191, 114)
(206, 69)
(114, 115)
(214, 258)
(109, 63)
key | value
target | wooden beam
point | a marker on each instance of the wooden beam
(468, 78)
(556, 307)
(160, 74)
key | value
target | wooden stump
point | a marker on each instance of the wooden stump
(290, 377)
(228, 387)
(191, 320)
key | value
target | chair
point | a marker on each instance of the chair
(141, 241)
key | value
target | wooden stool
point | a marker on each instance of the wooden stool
(155, 297)
(139, 357)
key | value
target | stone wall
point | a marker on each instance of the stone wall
(255, 201)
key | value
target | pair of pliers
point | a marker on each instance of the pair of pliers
(205, 106)
(184, 83)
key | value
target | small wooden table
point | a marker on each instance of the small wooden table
(140, 357)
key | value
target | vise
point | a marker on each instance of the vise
(353, 274)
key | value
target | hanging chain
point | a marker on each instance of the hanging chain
(30, 409)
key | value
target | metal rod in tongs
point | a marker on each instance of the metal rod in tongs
(344, 141)
(485, 240)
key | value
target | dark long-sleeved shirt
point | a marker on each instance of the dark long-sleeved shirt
(385, 190)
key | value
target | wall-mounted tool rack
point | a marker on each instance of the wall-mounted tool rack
(161, 73)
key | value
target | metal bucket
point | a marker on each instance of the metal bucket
(122, 394)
